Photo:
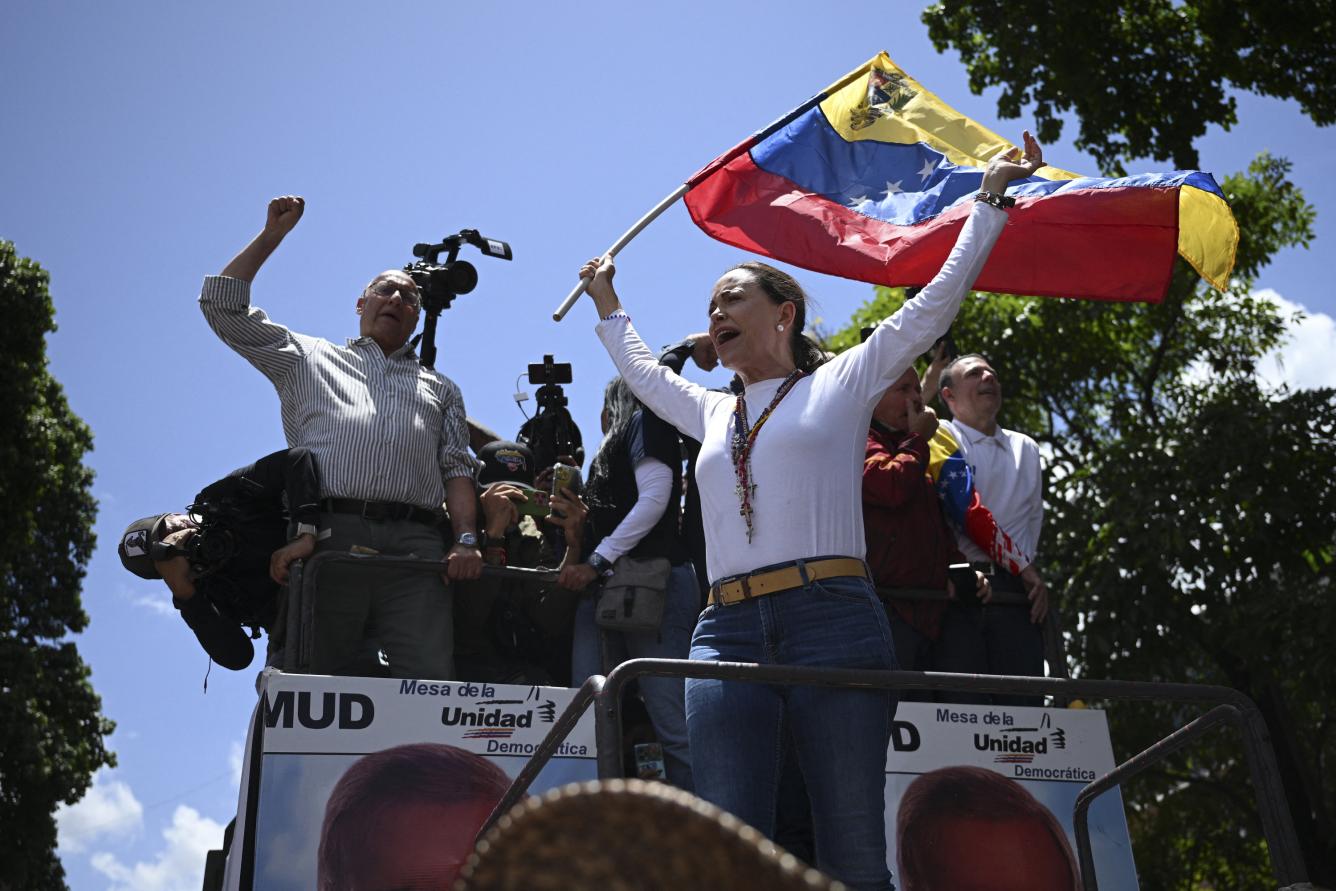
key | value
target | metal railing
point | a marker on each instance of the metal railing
(1229, 706)
(605, 695)
(304, 577)
(1055, 649)
(1174, 742)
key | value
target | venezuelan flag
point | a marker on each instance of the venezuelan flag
(954, 480)
(872, 179)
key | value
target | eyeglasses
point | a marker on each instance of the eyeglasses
(385, 289)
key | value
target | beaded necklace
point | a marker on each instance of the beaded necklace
(744, 438)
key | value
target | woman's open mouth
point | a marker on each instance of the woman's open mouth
(724, 335)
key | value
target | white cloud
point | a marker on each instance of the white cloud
(151, 597)
(179, 866)
(108, 809)
(1304, 361)
(159, 604)
(235, 760)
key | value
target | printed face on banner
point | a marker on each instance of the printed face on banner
(419, 845)
(980, 798)
(368, 784)
(1001, 855)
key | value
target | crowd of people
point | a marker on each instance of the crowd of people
(795, 517)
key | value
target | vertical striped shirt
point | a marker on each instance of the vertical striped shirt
(382, 428)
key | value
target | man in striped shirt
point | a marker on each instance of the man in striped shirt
(391, 443)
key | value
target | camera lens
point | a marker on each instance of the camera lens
(458, 277)
(215, 547)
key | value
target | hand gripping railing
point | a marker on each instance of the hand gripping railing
(1229, 705)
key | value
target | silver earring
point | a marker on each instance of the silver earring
(779, 327)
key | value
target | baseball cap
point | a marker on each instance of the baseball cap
(508, 462)
(136, 543)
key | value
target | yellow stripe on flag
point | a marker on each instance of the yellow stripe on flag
(1207, 235)
(913, 114)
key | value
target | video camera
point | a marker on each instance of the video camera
(217, 538)
(551, 433)
(229, 555)
(440, 283)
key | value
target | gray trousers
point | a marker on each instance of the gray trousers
(407, 614)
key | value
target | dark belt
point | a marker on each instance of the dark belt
(381, 510)
(781, 578)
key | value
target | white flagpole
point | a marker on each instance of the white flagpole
(718, 162)
(618, 245)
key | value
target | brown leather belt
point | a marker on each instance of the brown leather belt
(782, 578)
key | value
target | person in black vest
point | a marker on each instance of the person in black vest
(226, 559)
(509, 630)
(700, 349)
(634, 494)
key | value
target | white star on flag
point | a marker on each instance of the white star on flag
(929, 167)
(892, 188)
(858, 202)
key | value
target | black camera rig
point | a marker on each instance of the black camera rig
(551, 433)
(440, 283)
(217, 538)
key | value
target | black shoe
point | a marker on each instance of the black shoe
(224, 640)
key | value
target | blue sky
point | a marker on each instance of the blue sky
(142, 141)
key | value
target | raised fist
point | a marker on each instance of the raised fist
(283, 214)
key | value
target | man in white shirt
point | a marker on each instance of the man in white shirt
(995, 638)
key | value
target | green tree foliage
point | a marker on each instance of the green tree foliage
(51, 728)
(1189, 528)
(1145, 77)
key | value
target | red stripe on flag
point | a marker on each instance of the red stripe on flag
(1105, 244)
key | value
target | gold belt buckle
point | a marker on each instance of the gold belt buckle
(745, 584)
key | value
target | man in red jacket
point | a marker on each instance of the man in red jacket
(909, 544)
(907, 472)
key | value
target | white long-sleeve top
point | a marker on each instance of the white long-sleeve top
(654, 483)
(807, 460)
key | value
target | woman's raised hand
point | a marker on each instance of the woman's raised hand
(600, 271)
(1013, 165)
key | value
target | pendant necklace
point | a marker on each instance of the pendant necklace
(744, 438)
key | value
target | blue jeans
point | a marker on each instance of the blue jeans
(737, 729)
(663, 696)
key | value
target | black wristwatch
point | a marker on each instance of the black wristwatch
(467, 539)
(602, 565)
(998, 200)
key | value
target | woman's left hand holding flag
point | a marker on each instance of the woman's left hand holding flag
(600, 271)
(1013, 165)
